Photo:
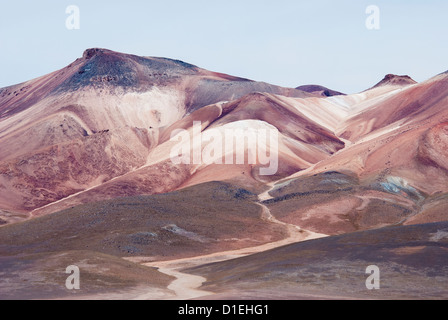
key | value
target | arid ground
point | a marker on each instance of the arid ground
(87, 179)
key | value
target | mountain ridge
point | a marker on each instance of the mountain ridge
(87, 178)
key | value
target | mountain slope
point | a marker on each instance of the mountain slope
(98, 119)
(101, 128)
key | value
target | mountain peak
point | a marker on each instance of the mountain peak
(90, 53)
(395, 80)
(100, 67)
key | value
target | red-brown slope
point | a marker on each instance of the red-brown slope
(397, 153)
(409, 104)
(404, 136)
(301, 143)
(98, 119)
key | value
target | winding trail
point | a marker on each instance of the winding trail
(186, 286)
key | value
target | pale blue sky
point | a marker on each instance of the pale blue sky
(284, 42)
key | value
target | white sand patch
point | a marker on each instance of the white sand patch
(186, 285)
(439, 235)
(184, 233)
(155, 108)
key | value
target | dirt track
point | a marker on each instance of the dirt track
(186, 286)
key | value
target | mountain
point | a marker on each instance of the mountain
(395, 80)
(312, 88)
(98, 119)
(124, 162)
(391, 171)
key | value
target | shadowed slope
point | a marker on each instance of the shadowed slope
(207, 218)
(220, 217)
(323, 91)
(102, 276)
(412, 260)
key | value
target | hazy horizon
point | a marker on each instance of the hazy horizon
(287, 43)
